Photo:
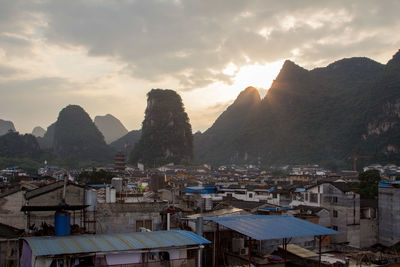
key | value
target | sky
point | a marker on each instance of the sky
(107, 55)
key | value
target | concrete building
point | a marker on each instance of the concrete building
(129, 217)
(368, 222)
(50, 195)
(163, 248)
(10, 206)
(343, 206)
(389, 213)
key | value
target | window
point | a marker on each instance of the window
(334, 199)
(335, 213)
(334, 227)
(250, 195)
(314, 197)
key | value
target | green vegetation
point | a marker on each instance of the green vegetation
(166, 131)
(46, 142)
(127, 142)
(14, 145)
(323, 116)
(368, 187)
(27, 164)
(76, 137)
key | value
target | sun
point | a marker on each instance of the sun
(256, 75)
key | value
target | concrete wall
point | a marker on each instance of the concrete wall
(122, 217)
(368, 232)
(389, 215)
(344, 209)
(10, 210)
(74, 196)
(324, 218)
(353, 235)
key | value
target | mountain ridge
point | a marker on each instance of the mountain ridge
(76, 135)
(6, 126)
(111, 127)
(311, 116)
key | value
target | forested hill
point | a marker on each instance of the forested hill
(166, 135)
(75, 135)
(127, 142)
(326, 115)
(6, 126)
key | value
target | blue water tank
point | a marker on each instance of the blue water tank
(62, 223)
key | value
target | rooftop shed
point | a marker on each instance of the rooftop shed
(130, 246)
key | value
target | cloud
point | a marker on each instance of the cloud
(32, 102)
(193, 41)
(188, 42)
(7, 71)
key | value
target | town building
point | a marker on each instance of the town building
(389, 213)
(343, 205)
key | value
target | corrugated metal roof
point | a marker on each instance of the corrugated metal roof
(265, 227)
(58, 245)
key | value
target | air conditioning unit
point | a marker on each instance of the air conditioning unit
(244, 251)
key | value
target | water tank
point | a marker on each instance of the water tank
(91, 199)
(112, 195)
(117, 184)
(108, 194)
(200, 203)
(62, 223)
(208, 204)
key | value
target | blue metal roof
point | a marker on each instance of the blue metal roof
(99, 185)
(265, 227)
(389, 184)
(75, 244)
(201, 189)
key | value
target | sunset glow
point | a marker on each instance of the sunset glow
(106, 55)
(257, 75)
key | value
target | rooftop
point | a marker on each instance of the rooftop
(262, 227)
(74, 244)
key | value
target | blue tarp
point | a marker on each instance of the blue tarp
(265, 227)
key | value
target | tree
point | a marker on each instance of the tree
(369, 183)
(95, 177)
